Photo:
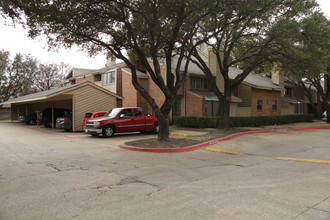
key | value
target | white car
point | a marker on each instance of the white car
(324, 116)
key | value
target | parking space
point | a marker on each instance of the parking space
(118, 139)
(64, 175)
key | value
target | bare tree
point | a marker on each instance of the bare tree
(47, 77)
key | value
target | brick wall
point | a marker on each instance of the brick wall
(298, 93)
(155, 91)
(119, 81)
(85, 79)
(128, 91)
(267, 97)
(195, 105)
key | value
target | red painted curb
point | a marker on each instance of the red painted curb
(212, 142)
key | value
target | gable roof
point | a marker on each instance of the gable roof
(138, 73)
(55, 92)
(100, 71)
(255, 80)
(192, 68)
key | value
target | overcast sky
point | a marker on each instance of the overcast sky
(15, 40)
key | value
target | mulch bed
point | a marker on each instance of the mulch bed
(180, 142)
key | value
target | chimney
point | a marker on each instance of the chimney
(111, 59)
(278, 79)
(214, 67)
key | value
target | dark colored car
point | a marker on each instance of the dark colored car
(64, 122)
(46, 115)
(30, 119)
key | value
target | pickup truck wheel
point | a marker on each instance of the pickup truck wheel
(108, 131)
(155, 130)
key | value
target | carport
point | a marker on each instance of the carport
(80, 98)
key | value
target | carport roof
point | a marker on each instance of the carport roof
(55, 92)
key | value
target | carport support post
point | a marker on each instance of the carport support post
(52, 115)
(38, 113)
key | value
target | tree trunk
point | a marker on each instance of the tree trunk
(164, 131)
(223, 118)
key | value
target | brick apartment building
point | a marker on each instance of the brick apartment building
(257, 95)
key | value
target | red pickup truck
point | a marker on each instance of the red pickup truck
(122, 120)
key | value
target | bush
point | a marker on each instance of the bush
(211, 122)
(195, 122)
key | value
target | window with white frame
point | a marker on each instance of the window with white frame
(109, 77)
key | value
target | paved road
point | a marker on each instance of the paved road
(75, 176)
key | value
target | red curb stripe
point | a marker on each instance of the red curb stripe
(212, 142)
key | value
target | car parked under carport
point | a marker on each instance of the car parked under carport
(80, 98)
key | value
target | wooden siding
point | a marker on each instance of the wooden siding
(214, 67)
(233, 110)
(87, 99)
(111, 87)
(244, 111)
(287, 108)
(244, 92)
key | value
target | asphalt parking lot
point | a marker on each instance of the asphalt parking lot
(47, 175)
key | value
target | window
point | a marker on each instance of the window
(97, 78)
(299, 108)
(109, 77)
(212, 108)
(259, 105)
(176, 107)
(288, 92)
(88, 115)
(199, 83)
(137, 112)
(127, 113)
(274, 105)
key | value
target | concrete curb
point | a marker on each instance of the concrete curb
(212, 142)
(178, 134)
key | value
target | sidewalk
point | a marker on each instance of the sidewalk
(251, 130)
